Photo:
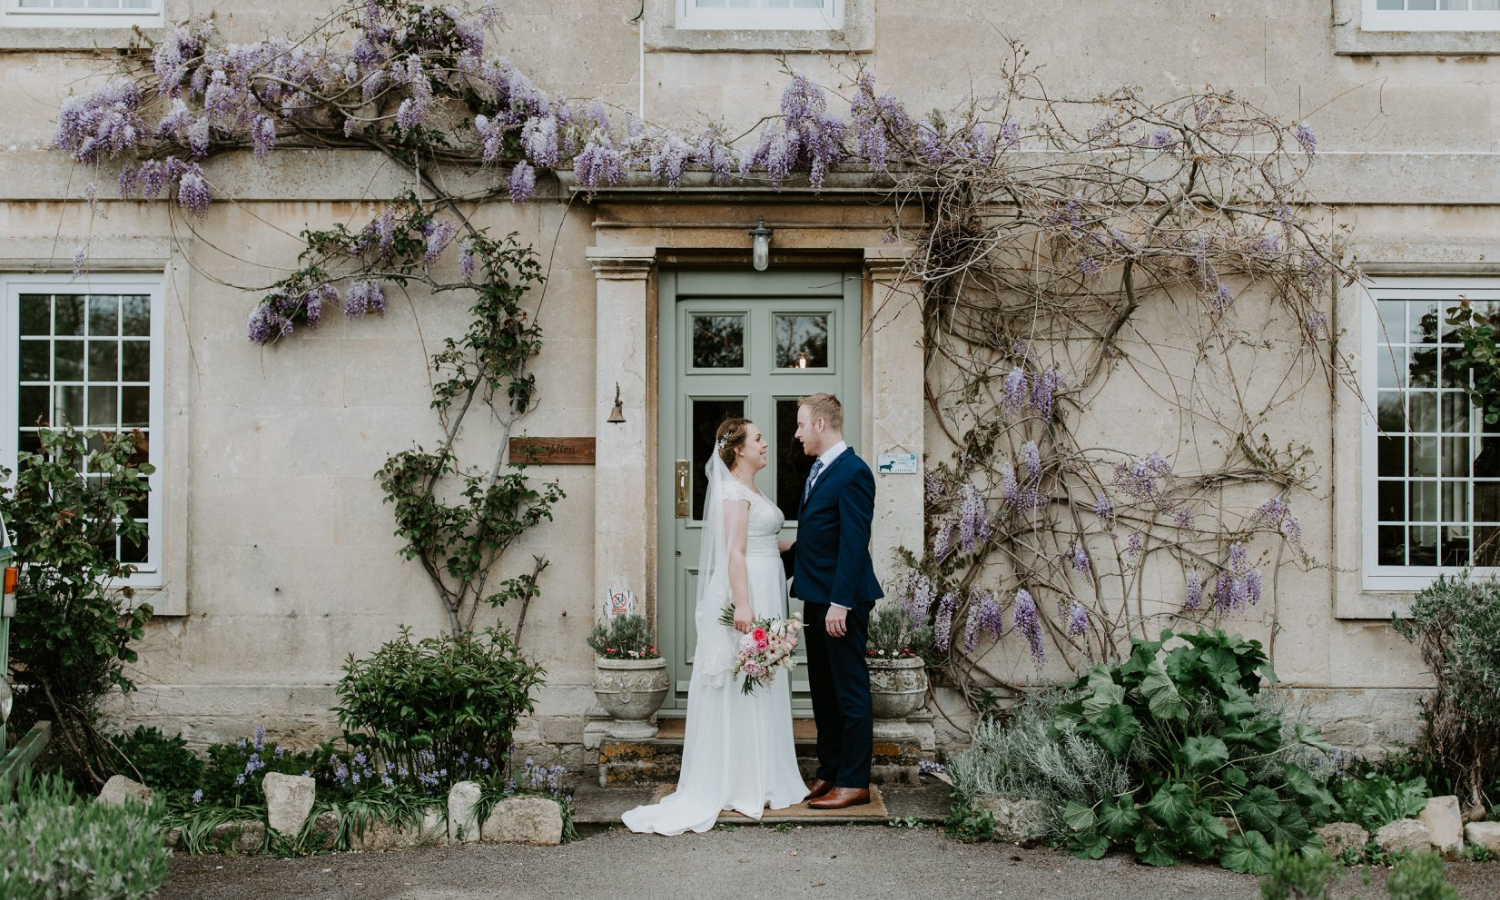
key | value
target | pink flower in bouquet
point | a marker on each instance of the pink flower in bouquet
(759, 634)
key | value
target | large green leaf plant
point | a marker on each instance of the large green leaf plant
(1216, 774)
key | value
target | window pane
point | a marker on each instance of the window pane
(1392, 501)
(1456, 457)
(1455, 501)
(1423, 319)
(1423, 549)
(36, 361)
(1423, 368)
(104, 361)
(67, 361)
(1392, 321)
(1422, 459)
(34, 406)
(1388, 415)
(136, 320)
(68, 314)
(135, 409)
(1487, 501)
(1487, 461)
(1390, 363)
(67, 405)
(1391, 545)
(103, 406)
(137, 361)
(707, 416)
(36, 314)
(792, 464)
(132, 552)
(801, 342)
(1421, 4)
(1455, 411)
(718, 342)
(104, 315)
(1487, 546)
(1455, 547)
(1423, 411)
(1390, 455)
(1423, 501)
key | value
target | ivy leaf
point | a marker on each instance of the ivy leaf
(1152, 849)
(1119, 818)
(1257, 810)
(1291, 827)
(1204, 833)
(1078, 815)
(1237, 703)
(1161, 694)
(1236, 776)
(1090, 846)
(1115, 728)
(1204, 753)
(1247, 853)
(1103, 693)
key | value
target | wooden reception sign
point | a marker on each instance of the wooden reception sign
(552, 451)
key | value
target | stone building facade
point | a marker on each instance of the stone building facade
(272, 555)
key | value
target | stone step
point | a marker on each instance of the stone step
(596, 808)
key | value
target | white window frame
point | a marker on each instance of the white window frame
(690, 16)
(1376, 577)
(1427, 20)
(13, 15)
(150, 574)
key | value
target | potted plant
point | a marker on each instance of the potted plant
(630, 676)
(898, 673)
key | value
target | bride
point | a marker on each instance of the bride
(738, 752)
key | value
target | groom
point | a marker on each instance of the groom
(834, 578)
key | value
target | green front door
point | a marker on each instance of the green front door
(741, 344)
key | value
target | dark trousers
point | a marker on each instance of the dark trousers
(840, 686)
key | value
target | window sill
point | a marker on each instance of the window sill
(1373, 605)
(47, 40)
(662, 35)
(1350, 39)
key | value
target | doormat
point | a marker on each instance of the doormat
(874, 810)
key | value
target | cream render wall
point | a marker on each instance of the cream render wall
(286, 563)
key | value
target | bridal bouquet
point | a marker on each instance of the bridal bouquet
(766, 649)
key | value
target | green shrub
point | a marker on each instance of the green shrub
(1419, 877)
(234, 771)
(1374, 800)
(893, 635)
(1455, 624)
(1295, 875)
(1023, 756)
(1201, 748)
(60, 846)
(625, 637)
(438, 704)
(71, 636)
(160, 762)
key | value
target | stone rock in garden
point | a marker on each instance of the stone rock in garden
(289, 800)
(1404, 834)
(1015, 819)
(524, 820)
(1340, 836)
(1442, 818)
(239, 837)
(325, 831)
(380, 835)
(1485, 834)
(119, 789)
(172, 838)
(463, 812)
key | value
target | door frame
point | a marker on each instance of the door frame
(674, 285)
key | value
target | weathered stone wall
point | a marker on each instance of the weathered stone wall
(286, 559)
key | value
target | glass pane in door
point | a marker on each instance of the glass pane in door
(718, 342)
(707, 415)
(801, 342)
(792, 464)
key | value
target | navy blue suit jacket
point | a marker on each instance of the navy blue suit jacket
(832, 554)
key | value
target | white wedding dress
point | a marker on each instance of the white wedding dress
(738, 752)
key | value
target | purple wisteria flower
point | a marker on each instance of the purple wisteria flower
(1077, 557)
(991, 615)
(1104, 509)
(364, 297)
(522, 182)
(942, 626)
(1238, 584)
(807, 136)
(1078, 620)
(1317, 324)
(1010, 488)
(1010, 132)
(973, 520)
(1026, 622)
(263, 137)
(1089, 268)
(1016, 394)
(102, 125)
(1277, 513)
(1139, 477)
(1031, 461)
(193, 194)
(539, 140)
(1194, 598)
(438, 234)
(466, 261)
(599, 163)
(1222, 299)
(1306, 138)
(921, 594)
(942, 542)
(932, 486)
(1043, 391)
(971, 628)
(80, 261)
(1184, 518)
(1135, 545)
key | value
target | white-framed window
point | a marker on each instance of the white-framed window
(1431, 15)
(761, 15)
(80, 13)
(89, 352)
(1430, 496)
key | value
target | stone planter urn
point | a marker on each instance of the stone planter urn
(898, 688)
(631, 691)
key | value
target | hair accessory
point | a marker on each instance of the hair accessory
(719, 444)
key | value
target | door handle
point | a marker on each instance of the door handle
(684, 489)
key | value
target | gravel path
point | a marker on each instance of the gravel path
(786, 864)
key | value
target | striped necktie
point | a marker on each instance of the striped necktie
(811, 477)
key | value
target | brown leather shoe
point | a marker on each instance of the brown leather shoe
(840, 797)
(818, 788)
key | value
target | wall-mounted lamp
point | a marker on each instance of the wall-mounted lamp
(616, 415)
(760, 249)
